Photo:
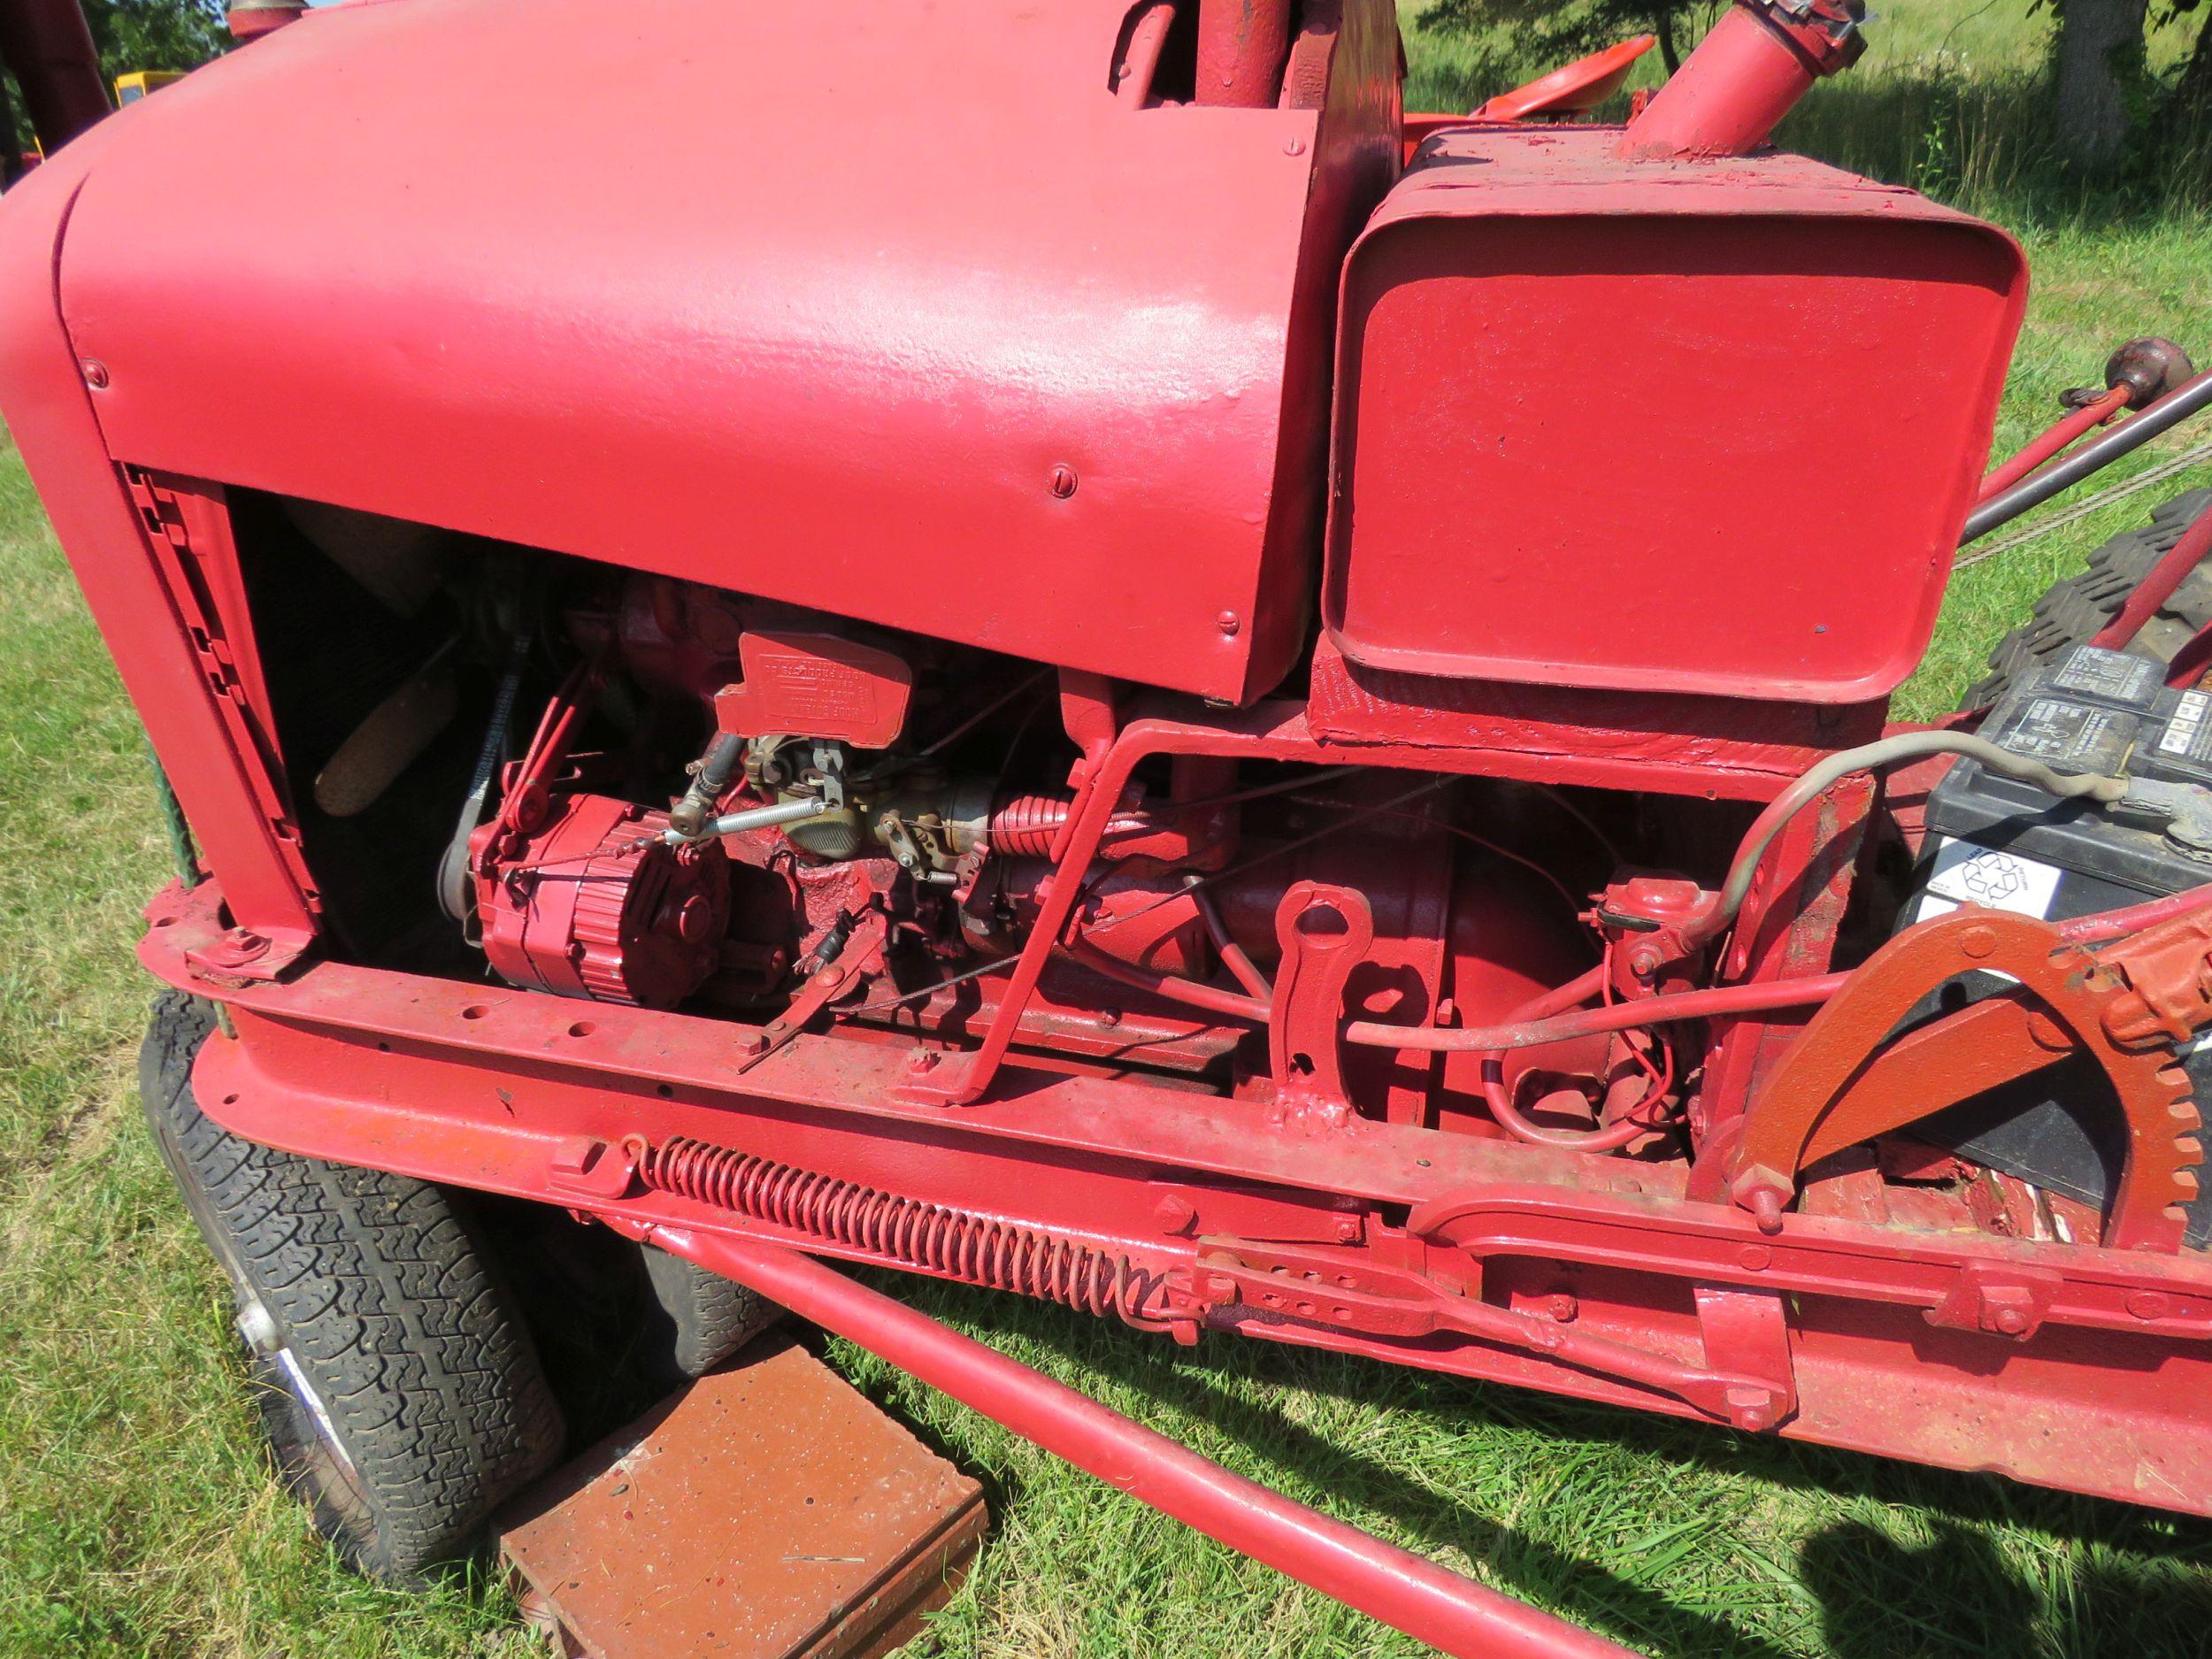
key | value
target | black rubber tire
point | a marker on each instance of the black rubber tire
(382, 1347)
(2073, 610)
(695, 1319)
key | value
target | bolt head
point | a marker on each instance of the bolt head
(1229, 623)
(2011, 1321)
(242, 944)
(95, 374)
(1063, 482)
(1752, 1408)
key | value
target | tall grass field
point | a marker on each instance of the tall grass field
(137, 1516)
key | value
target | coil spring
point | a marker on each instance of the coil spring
(1025, 825)
(976, 1250)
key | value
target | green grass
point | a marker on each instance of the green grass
(137, 1517)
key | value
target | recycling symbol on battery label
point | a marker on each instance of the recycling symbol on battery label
(1992, 878)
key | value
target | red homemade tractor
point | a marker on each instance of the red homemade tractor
(1048, 646)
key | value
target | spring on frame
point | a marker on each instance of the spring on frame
(975, 1249)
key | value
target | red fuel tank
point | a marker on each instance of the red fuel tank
(1703, 426)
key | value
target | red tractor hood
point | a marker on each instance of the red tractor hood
(894, 311)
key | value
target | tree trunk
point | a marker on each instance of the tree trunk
(2100, 58)
(2193, 95)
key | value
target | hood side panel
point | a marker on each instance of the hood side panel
(807, 302)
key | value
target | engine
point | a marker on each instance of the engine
(732, 806)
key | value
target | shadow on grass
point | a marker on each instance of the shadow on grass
(2118, 1581)
(1956, 1595)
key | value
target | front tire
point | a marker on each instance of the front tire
(397, 1392)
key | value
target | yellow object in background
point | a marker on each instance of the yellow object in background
(131, 88)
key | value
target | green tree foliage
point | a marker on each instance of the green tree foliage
(1554, 31)
(134, 34)
(2192, 90)
(154, 33)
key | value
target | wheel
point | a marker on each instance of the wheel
(400, 1396)
(695, 1319)
(2073, 610)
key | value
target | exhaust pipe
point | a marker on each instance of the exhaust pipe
(1241, 48)
(1758, 60)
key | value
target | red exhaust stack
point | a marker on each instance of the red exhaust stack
(1745, 76)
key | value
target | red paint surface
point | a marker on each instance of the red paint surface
(1576, 87)
(1743, 78)
(834, 364)
(391, 1070)
(1649, 475)
(1658, 426)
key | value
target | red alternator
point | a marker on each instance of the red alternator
(595, 905)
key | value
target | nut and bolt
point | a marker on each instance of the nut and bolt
(242, 944)
(1752, 1408)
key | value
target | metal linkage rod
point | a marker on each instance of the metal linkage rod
(2177, 406)
(1426, 1602)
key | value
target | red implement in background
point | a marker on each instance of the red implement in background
(1570, 90)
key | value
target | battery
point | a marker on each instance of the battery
(2008, 845)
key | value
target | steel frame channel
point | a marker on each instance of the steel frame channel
(484, 1087)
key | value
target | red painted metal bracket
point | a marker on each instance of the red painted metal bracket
(1326, 932)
